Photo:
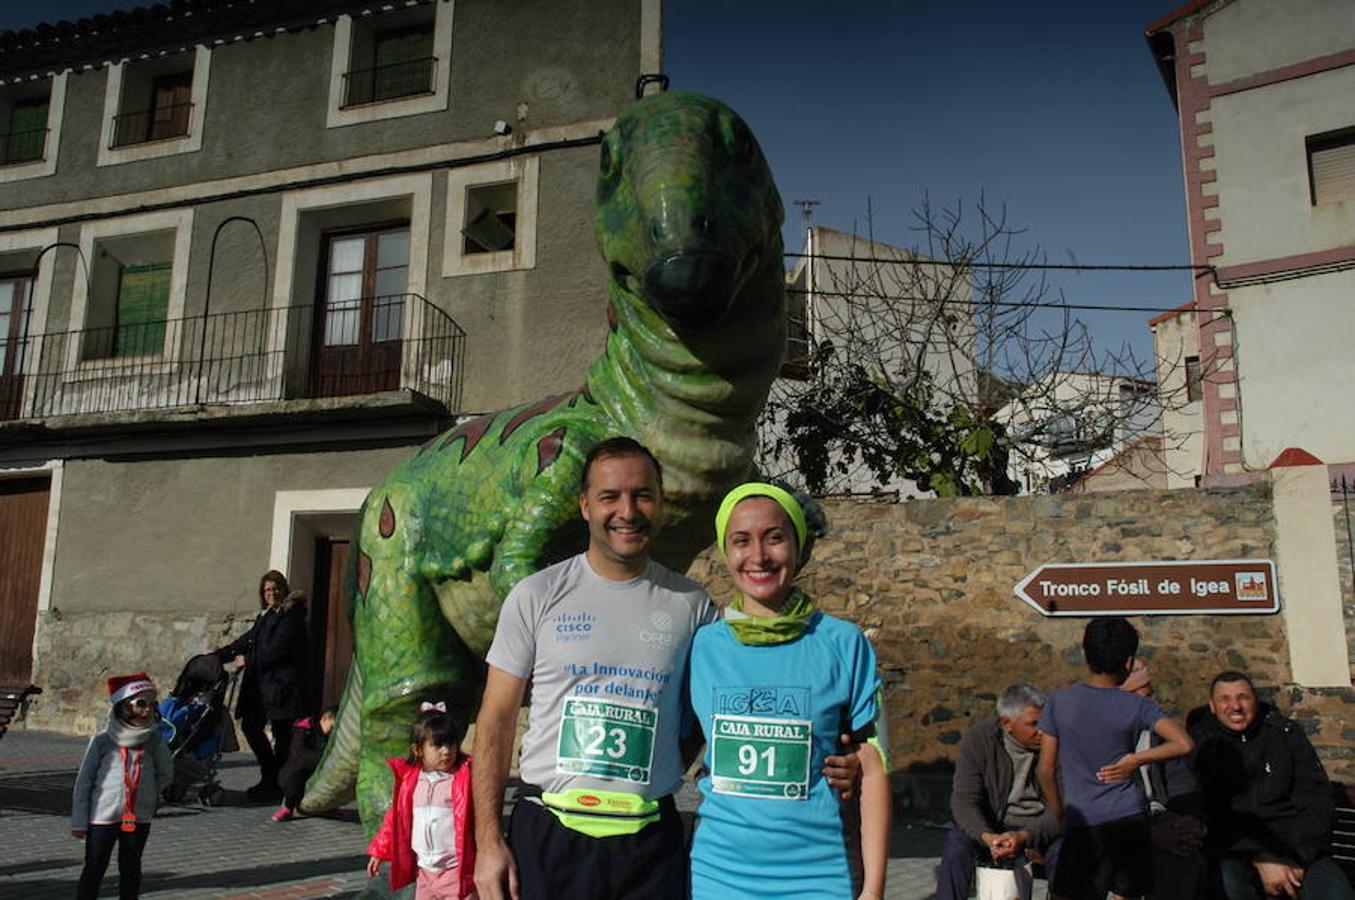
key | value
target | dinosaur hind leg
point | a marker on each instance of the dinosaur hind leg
(406, 650)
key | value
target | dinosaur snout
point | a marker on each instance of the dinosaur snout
(693, 288)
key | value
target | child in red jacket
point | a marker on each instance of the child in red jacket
(428, 833)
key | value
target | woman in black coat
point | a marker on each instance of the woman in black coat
(273, 653)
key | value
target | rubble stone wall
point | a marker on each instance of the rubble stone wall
(930, 582)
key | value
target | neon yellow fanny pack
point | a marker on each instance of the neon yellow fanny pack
(601, 814)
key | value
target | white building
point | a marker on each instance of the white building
(1073, 423)
(1264, 92)
(894, 311)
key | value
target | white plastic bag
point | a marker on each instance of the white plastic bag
(996, 884)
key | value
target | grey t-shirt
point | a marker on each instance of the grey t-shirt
(607, 662)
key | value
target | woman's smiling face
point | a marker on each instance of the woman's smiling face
(761, 551)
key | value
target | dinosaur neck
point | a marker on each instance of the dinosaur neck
(694, 404)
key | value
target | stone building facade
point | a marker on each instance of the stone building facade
(249, 259)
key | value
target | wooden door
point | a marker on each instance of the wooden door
(171, 106)
(360, 312)
(331, 632)
(16, 304)
(23, 532)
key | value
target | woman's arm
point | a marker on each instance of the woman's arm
(1049, 783)
(876, 810)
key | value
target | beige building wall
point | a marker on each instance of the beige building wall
(1176, 339)
(1290, 338)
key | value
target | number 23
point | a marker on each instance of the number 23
(596, 735)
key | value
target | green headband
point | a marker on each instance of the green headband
(782, 499)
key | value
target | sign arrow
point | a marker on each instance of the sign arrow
(1183, 587)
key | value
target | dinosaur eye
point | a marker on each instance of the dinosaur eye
(738, 140)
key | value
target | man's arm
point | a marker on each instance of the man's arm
(1312, 794)
(495, 871)
(1175, 742)
(968, 794)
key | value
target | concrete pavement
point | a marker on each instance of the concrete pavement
(234, 850)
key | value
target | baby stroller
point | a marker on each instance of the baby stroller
(193, 720)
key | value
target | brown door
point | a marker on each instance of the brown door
(331, 632)
(360, 312)
(16, 304)
(23, 531)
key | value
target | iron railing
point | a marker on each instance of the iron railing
(23, 146)
(159, 124)
(231, 358)
(389, 82)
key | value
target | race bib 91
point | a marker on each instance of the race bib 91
(606, 740)
(756, 757)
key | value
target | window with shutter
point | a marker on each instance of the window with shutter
(1331, 166)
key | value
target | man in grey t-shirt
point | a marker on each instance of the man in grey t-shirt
(602, 638)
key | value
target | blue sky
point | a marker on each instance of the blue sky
(1053, 108)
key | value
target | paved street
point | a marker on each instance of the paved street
(234, 851)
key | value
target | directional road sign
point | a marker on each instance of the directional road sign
(1182, 587)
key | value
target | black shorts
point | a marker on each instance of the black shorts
(558, 863)
(1113, 857)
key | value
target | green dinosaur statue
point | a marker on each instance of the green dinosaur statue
(689, 222)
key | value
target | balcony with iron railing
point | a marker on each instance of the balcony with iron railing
(392, 81)
(23, 146)
(159, 124)
(230, 358)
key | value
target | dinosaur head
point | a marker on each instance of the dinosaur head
(687, 209)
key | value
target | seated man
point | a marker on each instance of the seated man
(996, 803)
(1174, 825)
(1266, 799)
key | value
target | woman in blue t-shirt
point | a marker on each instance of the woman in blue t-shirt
(773, 685)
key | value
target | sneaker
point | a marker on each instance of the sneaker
(283, 814)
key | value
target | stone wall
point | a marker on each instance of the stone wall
(930, 581)
(77, 653)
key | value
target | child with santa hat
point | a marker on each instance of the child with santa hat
(124, 769)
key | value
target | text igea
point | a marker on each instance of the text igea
(1139, 587)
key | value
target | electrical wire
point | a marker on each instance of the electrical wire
(1224, 284)
(1012, 304)
(1006, 265)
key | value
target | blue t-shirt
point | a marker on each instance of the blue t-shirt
(769, 823)
(1095, 726)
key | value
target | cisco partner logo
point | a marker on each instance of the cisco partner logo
(573, 627)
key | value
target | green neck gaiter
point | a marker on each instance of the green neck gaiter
(782, 628)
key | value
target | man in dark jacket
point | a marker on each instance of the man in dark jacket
(999, 812)
(1266, 800)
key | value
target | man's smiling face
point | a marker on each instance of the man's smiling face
(622, 506)
(1234, 705)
